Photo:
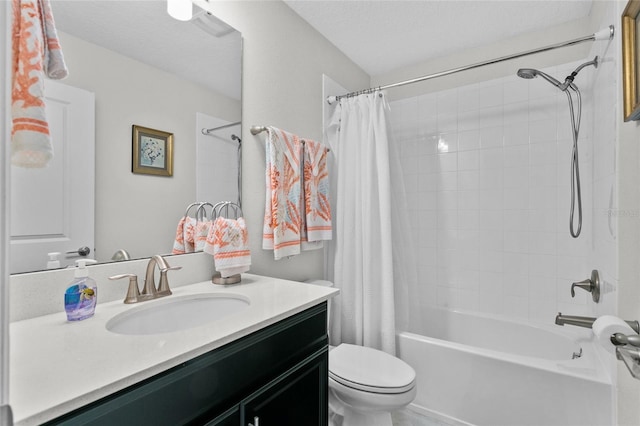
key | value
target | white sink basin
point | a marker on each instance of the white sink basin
(175, 313)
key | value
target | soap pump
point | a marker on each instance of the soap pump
(82, 294)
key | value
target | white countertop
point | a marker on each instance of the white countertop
(58, 366)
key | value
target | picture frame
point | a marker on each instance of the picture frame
(630, 65)
(152, 151)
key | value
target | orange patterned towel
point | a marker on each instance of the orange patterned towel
(36, 53)
(202, 231)
(178, 244)
(283, 218)
(228, 242)
(316, 192)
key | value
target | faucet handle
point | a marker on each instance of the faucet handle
(585, 285)
(620, 339)
(591, 285)
(133, 293)
(163, 287)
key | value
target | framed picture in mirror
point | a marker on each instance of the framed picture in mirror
(152, 152)
(630, 80)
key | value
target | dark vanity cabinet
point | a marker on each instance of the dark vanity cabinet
(275, 376)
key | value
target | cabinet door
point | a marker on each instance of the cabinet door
(298, 397)
(230, 418)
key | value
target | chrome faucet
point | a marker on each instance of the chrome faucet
(149, 291)
(587, 322)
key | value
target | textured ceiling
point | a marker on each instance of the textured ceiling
(144, 31)
(381, 36)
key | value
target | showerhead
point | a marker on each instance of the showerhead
(530, 73)
(527, 73)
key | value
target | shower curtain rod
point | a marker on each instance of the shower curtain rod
(605, 34)
(213, 129)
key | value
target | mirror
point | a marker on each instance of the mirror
(144, 69)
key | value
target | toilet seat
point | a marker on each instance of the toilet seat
(370, 370)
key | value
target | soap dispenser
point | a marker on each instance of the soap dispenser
(82, 294)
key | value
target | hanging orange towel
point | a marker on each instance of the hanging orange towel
(283, 219)
(36, 53)
(178, 244)
(316, 192)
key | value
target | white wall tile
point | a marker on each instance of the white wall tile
(516, 156)
(468, 98)
(490, 117)
(491, 96)
(491, 170)
(491, 137)
(542, 130)
(468, 140)
(516, 132)
(468, 180)
(515, 91)
(468, 160)
(448, 162)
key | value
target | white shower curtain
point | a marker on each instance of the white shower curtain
(363, 313)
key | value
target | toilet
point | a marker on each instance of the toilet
(366, 384)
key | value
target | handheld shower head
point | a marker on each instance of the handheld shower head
(530, 73)
(527, 73)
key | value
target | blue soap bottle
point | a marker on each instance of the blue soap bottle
(82, 294)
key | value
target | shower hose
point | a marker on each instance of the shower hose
(576, 196)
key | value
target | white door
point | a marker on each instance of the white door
(52, 209)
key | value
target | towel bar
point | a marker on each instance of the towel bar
(259, 129)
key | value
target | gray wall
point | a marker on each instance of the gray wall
(284, 59)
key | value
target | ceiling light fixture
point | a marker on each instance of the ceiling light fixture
(210, 24)
(180, 9)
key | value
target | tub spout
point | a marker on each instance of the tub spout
(587, 322)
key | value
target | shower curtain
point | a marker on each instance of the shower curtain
(362, 249)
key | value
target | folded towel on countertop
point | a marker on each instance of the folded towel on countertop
(228, 242)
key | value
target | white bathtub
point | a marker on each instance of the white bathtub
(481, 370)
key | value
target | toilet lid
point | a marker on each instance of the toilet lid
(370, 370)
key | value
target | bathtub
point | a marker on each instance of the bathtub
(482, 370)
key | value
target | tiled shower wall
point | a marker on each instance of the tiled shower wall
(487, 179)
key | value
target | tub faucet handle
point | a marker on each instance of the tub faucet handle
(621, 339)
(591, 285)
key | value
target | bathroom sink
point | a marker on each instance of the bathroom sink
(176, 313)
